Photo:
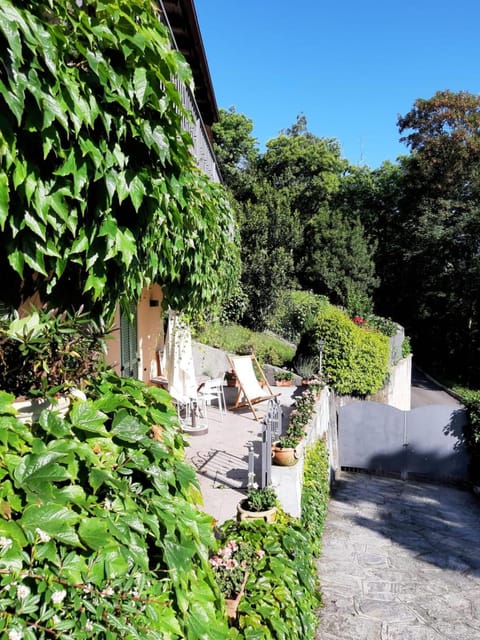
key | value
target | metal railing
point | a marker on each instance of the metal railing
(271, 431)
(202, 148)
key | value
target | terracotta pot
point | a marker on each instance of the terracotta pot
(232, 603)
(283, 383)
(286, 456)
(266, 516)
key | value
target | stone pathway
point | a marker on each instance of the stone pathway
(401, 561)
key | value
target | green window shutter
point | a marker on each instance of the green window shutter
(128, 345)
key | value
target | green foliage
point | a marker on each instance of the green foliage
(385, 325)
(283, 375)
(235, 148)
(406, 347)
(337, 260)
(355, 360)
(294, 313)
(282, 591)
(260, 499)
(46, 352)
(99, 192)
(236, 339)
(230, 565)
(99, 534)
(315, 493)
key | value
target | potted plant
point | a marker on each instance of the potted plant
(259, 504)
(46, 354)
(231, 566)
(283, 378)
(307, 368)
(287, 450)
(231, 378)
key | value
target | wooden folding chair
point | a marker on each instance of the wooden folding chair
(250, 391)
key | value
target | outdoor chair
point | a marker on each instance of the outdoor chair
(212, 391)
(250, 391)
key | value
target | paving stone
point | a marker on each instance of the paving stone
(401, 562)
(385, 611)
(413, 632)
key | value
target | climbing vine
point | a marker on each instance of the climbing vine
(99, 192)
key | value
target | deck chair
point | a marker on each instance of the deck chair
(250, 392)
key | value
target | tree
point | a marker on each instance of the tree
(434, 264)
(235, 149)
(99, 193)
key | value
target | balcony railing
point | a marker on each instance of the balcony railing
(202, 149)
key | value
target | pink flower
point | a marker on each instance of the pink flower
(215, 561)
(260, 553)
(231, 564)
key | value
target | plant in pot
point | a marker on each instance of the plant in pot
(231, 566)
(287, 450)
(260, 504)
(45, 354)
(231, 378)
(283, 378)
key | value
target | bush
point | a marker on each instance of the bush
(100, 535)
(236, 339)
(282, 592)
(295, 312)
(47, 352)
(315, 493)
(355, 360)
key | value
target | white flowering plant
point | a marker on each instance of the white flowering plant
(100, 535)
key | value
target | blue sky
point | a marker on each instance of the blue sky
(351, 67)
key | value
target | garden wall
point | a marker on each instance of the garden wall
(287, 481)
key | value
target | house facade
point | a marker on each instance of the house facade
(135, 347)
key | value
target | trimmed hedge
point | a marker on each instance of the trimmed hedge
(355, 359)
(315, 493)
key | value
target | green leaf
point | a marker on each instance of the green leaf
(85, 417)
(140, 84)
(94, 533)
(55, 520)
(37, 468)
(4, 199)
(129, 428)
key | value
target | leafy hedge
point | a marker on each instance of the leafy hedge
(282, 592)
(315, 493)
(355, 359)
(99, 535)
(295, 313)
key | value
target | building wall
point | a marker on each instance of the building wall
(149, 331)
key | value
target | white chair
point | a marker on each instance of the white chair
(212, 391)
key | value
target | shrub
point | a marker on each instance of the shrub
(315, 493)
(295, 313)
(355, 360)
(236, 339)
(100, 535)
(385, 325)
(47, 351)
(282, 592)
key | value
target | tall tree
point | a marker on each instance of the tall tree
(435, 267)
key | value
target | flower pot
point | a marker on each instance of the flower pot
(232, 603)
(286, 456)
(283, 383)
(267, 516)
(29, 410)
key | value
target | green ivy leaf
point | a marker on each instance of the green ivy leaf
(4, 199)
(85, 417)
